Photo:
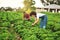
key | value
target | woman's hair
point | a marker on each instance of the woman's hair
(33, 13)
(24, 12)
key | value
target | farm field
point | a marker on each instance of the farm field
(13, 27)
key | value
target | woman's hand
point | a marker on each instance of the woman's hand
(33, 24)
(36, 21)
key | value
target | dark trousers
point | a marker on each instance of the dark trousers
(43, 21)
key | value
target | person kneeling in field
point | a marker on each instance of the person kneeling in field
(26, 16)
(43, 17)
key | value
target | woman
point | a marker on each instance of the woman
(43, 17)
(26, 16)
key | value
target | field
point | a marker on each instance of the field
(13, 27)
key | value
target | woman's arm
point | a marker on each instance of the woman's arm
(36, 21)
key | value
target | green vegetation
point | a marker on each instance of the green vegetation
(29, 6)
(13, 26)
